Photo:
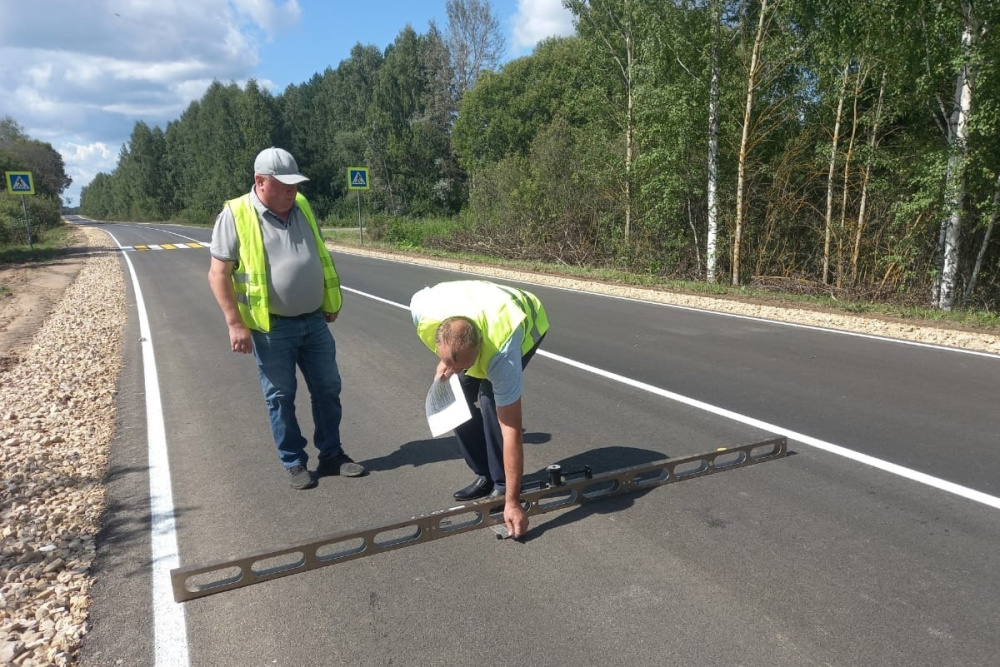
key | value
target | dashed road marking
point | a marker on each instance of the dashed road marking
(163, 246)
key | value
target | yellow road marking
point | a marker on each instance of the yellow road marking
(165, 246)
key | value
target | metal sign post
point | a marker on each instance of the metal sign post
(21, 183)
(556, 492)
(357, 179)
(27, 224)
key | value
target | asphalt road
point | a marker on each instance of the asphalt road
(814, 559)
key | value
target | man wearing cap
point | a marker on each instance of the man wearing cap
(485, 333)
(278, 288)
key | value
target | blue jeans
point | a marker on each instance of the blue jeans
(306, 342)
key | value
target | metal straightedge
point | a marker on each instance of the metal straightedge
(554, 493)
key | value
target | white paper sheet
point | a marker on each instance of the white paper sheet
(446, 407)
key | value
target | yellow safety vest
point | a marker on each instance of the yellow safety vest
(497, 310)
(250, 273)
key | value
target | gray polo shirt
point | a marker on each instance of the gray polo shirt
(294, 269)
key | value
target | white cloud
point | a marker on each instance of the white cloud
(269, 15)
(83, 162)
(98, 152)
(80, 74)
(537, 19)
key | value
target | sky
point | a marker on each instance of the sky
(80, 73)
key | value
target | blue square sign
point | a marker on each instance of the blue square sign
(357, 178)
(19, 182)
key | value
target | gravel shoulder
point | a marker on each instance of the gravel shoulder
(60, 358)
(61, 361)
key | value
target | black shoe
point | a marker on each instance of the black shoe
(341, 464)
(301, 478)
(477, 489)
(497, 492)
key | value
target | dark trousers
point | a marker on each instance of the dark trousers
(480, 439)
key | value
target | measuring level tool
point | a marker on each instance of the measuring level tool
(557, 491)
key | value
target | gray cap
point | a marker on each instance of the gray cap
(279, 163)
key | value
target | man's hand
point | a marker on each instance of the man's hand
(513, 466)
(513, 516)
(443, 371)
(220, 279)
(331, 317)
(239, 339)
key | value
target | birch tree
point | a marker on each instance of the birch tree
(828, 226)
(873, 140)
(712, 183)
(861, 79)
(957, 131)
(475, 41)
(971, 287)
(612, 24)
(677, 170)
(754, 75)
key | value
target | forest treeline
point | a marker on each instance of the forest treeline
(849, 145)
(19, 152)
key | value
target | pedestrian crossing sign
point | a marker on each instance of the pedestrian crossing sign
(19, 182)
(357, 178)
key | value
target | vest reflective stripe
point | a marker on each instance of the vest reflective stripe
(250, 272)
(496, 311)
(527, 303)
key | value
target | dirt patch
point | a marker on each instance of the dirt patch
(29, 292)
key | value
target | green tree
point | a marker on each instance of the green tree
(256, 122)
(324, 122)
(505, 111)
(677, 128)
(10, 132)
(97, 198)
(614, 26)
(409, 121)
(19, 152)
(141, 174)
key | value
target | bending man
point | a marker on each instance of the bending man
(486, 333)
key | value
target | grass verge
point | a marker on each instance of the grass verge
(51, 244)
(987, 322)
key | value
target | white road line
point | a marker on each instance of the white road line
(169, 626)
(375, 298)
(880, 464)
(937, 483)
(194, 240)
